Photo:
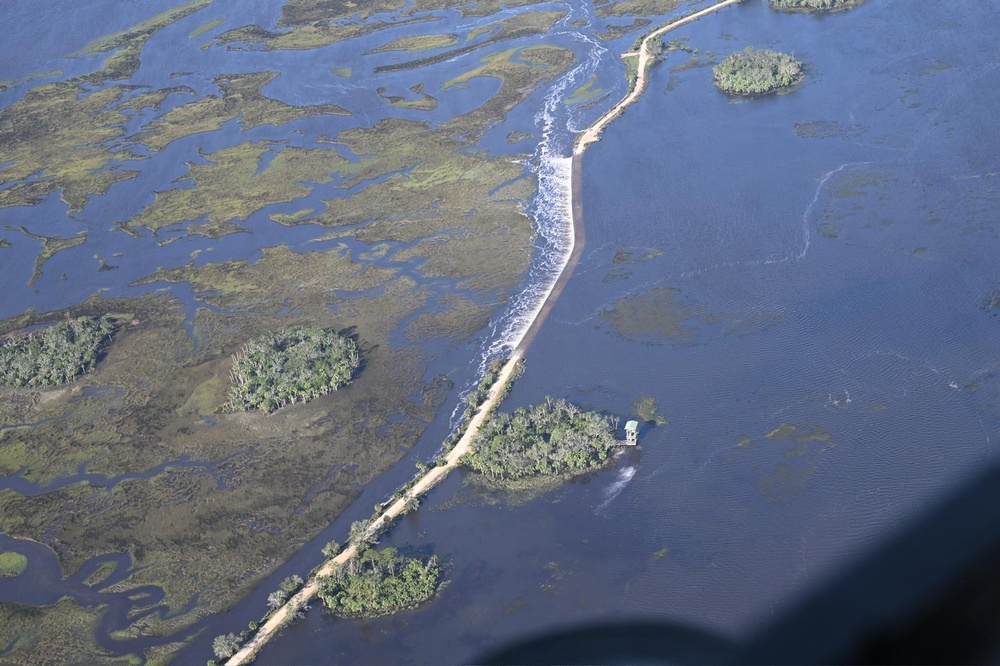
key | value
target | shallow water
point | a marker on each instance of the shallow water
(862, 335)
(828, 252)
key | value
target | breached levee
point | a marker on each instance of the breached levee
(558, 215)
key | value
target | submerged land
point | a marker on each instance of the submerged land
(237, 220)
(416, 238)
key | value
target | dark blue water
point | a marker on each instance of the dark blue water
(830, 277)
(831, 250)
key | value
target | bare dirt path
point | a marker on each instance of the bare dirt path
(593, 133)
(287, 613)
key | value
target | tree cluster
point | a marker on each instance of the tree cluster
(757, 72)
(552, 439)
(226, 645)
(55, 355)
(814, 5)
(380, 582)
(294, 365)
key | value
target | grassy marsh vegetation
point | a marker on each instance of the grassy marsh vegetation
(50, 246)
(232, 186)
(637, 7)
(418, 43)
(645, 409)
(757, 72)
(295, 365)
(207, 532)
(240, 97)
(515, 27)
(54, 355)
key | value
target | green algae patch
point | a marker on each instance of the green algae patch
(12, 564)
(240, 97)
(417, 43)
(343, 72)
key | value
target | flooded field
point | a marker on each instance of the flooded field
(805, 284)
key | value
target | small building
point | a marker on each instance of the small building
(632, 433)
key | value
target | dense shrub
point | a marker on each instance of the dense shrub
(814, 5)
(757, 72)
(554, 438)
(295, 365)
(380, 582)
(226, 645)
(55, 355)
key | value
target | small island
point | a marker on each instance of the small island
(56, 354)
(12, 564)
(294, 365)
(380, 582)
(555, 438)
(753, 72)
(814, 5)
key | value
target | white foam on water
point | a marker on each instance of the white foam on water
(615, 489)
(551, 210)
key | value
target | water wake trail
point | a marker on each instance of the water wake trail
(806, 233)
(615, 489)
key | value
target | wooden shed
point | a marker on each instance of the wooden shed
(632, 433)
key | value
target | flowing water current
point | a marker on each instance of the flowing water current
(801, 282)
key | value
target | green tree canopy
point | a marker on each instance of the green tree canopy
(757, 72)
(56, 354)
(295, 365)
(554, 438)
(380, 582)
(814, 5)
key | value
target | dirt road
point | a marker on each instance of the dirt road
(593, 133)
